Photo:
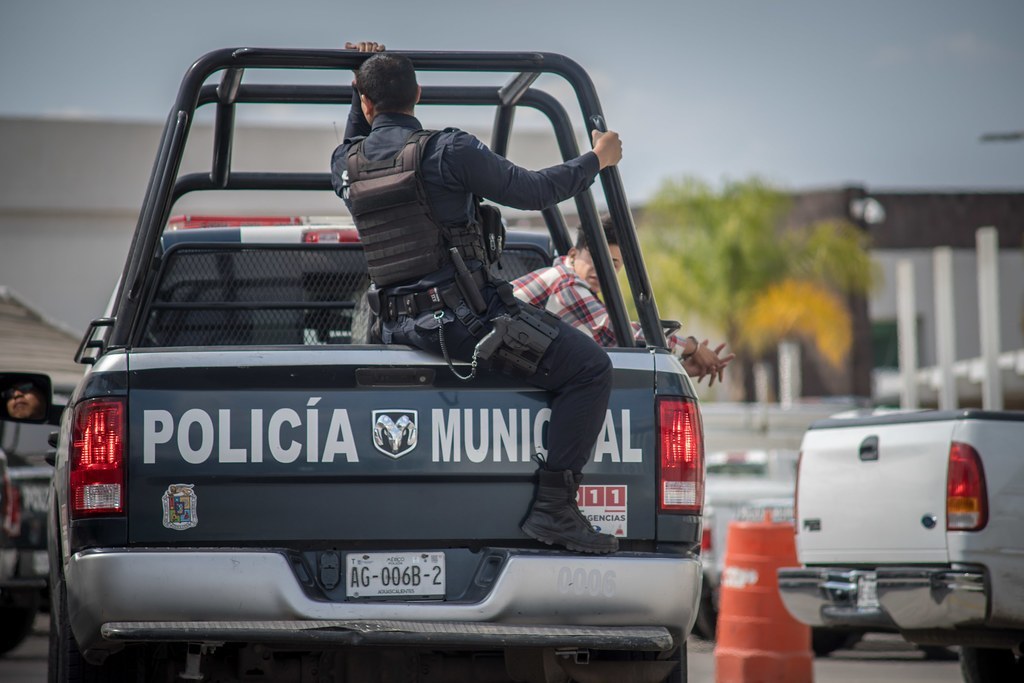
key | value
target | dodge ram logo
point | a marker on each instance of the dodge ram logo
(394, 432)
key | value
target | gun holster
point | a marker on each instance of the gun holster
(373, 300)
(518, 342)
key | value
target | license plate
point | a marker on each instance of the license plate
(395, 575)
(867, 591)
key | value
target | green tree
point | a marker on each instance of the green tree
(726, 256)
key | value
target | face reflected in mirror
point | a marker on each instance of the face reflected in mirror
(25, 401)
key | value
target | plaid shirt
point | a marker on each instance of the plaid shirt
(562, 292)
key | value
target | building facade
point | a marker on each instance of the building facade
(70, 192)
(908, 227)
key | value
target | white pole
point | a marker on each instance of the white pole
(988, 316)
(762, 382)
(906, 331)
(762, 393)
(945, 331)
(790, 380)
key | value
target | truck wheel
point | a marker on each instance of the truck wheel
(707, 616)
(51, 661)
(65, 659)
(938, 653)
(825, 641)
(982, 665)
(679, 672)
(621, 665)
(67, 663)
(16, 625)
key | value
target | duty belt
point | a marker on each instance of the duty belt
(389, 307)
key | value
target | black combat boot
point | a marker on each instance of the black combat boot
(555, 519)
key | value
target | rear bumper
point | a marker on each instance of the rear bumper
(933, 598)
(907, 598)
(437, 634)
(144, 594)
(831, 598)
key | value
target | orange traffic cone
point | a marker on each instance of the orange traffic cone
(757, 641)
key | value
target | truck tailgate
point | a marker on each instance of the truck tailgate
(222, 452)
(874, 493)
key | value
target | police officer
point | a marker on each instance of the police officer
(412, 196)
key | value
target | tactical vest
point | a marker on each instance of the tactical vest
(401, 239)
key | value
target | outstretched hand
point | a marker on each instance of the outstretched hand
(706, 362)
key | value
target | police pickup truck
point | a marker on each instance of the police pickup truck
(247, 487)
(24, 484)
(23, 564)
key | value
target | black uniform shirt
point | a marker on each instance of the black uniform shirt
(456, 165)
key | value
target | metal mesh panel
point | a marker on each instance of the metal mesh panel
(517, 261)
(274, 295)
(215, 296)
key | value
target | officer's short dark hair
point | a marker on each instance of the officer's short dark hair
(610, 234)
(389, 81)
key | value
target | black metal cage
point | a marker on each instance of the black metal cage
(140, 277)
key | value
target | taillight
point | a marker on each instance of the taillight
(966, 498)
(10, 515)
(327, 235)
(705, 540)
(97, 458)
(681, 443)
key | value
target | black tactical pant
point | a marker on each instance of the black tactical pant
(574, 368)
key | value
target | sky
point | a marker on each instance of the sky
(889, 94)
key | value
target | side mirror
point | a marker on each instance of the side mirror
(27, 397)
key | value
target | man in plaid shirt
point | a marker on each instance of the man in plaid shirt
(570, 289)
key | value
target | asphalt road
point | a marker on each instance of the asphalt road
(879, 657)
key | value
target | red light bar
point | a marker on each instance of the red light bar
(185, 222)
(330, 235)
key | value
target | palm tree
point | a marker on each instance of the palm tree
(726, 257)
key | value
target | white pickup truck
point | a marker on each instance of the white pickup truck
(913, 520)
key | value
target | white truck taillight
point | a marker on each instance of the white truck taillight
(966, 498)
(97, 458)
(681, 454)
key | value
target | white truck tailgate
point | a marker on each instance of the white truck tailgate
(874, 493)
